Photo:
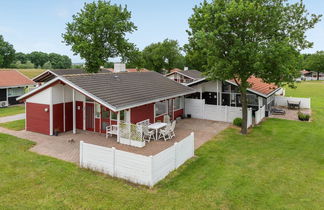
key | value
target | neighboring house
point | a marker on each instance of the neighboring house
(184, 77)
(226, 93)
(12, 85)
(93, 101)
(121, 67)
(311, 75)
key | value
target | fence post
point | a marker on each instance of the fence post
(193, 143)
(151, 172)
(226, 114)
(175, 155)
(114, 161)
(81, 153)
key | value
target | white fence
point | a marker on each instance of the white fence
(140, 169)
(259, 115)
(305, 103)
(198, 109)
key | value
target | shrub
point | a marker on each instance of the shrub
(303, 116)
(237, 122)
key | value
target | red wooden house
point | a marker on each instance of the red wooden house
(93, 101)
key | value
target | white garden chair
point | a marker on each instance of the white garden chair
(147, 134)
(111, 130)
(172, 133)
(165, 133)
(166, 119)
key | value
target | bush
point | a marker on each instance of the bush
(303, 116)
(237, 122)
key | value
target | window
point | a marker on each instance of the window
(16, 92)
(160, 108)
(105, 114)
(176, 104)
(113, 115)
(97, 110)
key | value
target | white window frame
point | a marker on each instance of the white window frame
(166, 108)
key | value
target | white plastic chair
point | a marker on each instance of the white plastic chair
(147, 134)
(172, 133)
(111, 130)
(166, 119)
(165, 133)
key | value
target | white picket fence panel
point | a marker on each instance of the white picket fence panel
(305, 103)
(140, 169)
(198, 109)
(259, 115)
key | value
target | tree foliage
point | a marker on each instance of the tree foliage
(22, 57)
(243, 38)
(315, 62)
(38, 58)
(97, 33)
(7, 53)
(58, 61)
(163, 55)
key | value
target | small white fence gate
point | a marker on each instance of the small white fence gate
(198, 109)
(140, 169)
(259, 115)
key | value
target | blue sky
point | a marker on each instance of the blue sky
(37, 25)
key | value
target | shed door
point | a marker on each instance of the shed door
(89, 117)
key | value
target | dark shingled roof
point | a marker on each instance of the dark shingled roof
(192, 73)
(123, 90)
(75, 71)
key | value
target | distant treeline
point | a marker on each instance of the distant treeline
(9, 58)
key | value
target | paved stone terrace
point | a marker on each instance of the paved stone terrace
(59, 147)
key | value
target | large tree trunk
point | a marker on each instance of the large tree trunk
(244, 128)
(318, 75)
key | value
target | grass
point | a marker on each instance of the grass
(17, 125)
(31, 73)
(279, 165)
(11, 110)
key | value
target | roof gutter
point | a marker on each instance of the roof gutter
(154, 101)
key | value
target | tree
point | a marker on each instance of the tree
(163, 55)
(315, 62)
(22, 57)
(38, 58)
(7, 53)
(244, 38)
(47, 65)
(59, 61)
(97, 33)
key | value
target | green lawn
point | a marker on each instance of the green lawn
(11, 110)
(279, 165)
(31, 73)
(17, 125)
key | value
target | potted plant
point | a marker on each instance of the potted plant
(303, 116)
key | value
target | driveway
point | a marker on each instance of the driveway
(59, 146)
(12, 118)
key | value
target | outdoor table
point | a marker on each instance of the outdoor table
(156, 126)
(293, 104)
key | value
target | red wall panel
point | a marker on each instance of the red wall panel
(97, 125)
(160, 118)
(178, 113)
(142, 113)
(68, 116)
(37, 119)
(79, 115)
(58, 117)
